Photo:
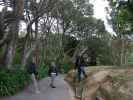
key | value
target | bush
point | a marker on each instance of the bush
(17, 58)
(66, 64)
(42, 72)
(12, 81)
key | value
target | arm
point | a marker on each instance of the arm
(76, 63)
(49, 71)
(56, 70)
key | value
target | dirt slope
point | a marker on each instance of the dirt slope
(105, 84)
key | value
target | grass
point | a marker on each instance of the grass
(122, 78)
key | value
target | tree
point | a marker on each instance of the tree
(122, 17)
(13, 25)
(53, 28)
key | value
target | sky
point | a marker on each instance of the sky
(100, 12)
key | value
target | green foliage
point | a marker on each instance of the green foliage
(42, 72)
(1, 51)
(99, 49)
(122, 78)
(66, 64)
(130, 59)
(84, 7)
(105, 55)
(123, 17)
(17, 58)
(12, 81)
(70, 44)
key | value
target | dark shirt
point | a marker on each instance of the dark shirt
(32, 68)
(82, 62)
(79, 62)
(52, 69)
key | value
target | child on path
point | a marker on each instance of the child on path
(53, 73)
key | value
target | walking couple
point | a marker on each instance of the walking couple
(32, 70)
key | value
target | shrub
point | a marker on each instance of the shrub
(66, 64)
(12, 81)
(42, 72)
(17, 58)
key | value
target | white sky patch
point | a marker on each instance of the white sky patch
(8, 8)
(100, 12)
(22, 29)
(1, 8)
(38, 1)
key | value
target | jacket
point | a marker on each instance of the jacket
(52, 69)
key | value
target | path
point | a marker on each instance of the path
(61, 92)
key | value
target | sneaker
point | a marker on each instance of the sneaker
(86, 76)
(53, 86)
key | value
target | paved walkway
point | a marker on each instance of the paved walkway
(61, 92)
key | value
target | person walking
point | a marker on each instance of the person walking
(79, 65)
(31, 68)
(53, 73)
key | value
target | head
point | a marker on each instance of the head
(53, 63)
(80, 55)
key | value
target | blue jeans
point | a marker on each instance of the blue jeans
(80, 71)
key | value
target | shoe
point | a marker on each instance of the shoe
(86, 76)
(53, 86)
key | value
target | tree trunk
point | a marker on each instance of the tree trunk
(14, 29)
(12, 45)
(122, 49)
(37, 39)
(126, 57)
(29, 51)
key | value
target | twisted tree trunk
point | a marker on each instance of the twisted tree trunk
(14, 29)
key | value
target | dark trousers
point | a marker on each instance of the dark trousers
(80, 71)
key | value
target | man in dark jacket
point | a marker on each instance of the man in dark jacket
(79, 65)
(52, 73)
(31, 68)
